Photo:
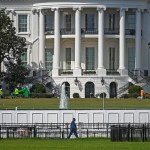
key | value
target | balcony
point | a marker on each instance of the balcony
(66, 31)
(89, 31)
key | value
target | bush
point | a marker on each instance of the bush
(40, 95)
(76, 95)
(38, 88)
(147, 95)
(135, 90)
(125, 96)
(103, 94)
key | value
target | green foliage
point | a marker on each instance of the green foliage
(10, 43)
(103, 95)
(16, 73)
(38, 88)
(147, 95)
(11, 47)
(40, 95)
(135, 90)
(76, 95)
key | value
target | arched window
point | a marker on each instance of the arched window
(113, 90)
(67, 89)
(89, 90)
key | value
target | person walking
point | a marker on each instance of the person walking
(73, 129)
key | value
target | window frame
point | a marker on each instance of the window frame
(28, 23)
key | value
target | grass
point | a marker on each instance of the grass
(72, 144)
(88, 103)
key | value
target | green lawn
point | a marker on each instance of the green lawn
(71, 144)
(91, 103)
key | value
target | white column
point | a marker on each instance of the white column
(77, 70)
(101, 69)
(41, 39)
(122, 54)
(138, 41)
(56, 61)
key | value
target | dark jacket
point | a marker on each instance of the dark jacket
(73, 125)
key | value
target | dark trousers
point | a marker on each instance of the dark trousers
(73, 131)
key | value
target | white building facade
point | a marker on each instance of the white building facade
(93, 46)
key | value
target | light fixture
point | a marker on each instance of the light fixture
(148, 45)
(102, 81)
(76, 81)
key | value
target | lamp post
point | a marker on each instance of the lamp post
(148, 55)
(76, 81)
(103, 82)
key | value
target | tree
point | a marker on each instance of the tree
(11, 45)
(16, 73)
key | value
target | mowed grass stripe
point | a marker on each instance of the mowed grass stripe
(87, 103)
(71, 144)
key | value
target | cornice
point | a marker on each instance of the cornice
(16, 0)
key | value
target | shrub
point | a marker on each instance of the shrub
(135, 90)
(40, 95)
(147, 95)
(103, 94)
(38, 88)
(76, 95)
(125, 96)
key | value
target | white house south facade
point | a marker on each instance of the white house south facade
(93, 46)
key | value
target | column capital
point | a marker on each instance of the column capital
(139, 10)
(34, 10)
(123, 9)
(77, 8)
(55, 9)
(101, 9)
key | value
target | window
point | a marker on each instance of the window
(131, 59)
(68, 22)
(22, 23)
(90, 57)
(24, 57)
(49, 23)
(48, 58)
(68, 58)
(131, 21)
(112, 58)
(89, 21)
(111, 21)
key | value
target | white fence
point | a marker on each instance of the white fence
(84, 116)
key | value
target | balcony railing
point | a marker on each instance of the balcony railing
(130, 31)
(89, 31)
(65, 71)
(65, 31)
(49, 32)
(85, 71)
(111, 31)
(112, 72)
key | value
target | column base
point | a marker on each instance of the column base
(55, 72)
(123, 72)
(77, 72)
(101, 72)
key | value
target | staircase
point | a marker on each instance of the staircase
(137, 79)
(41, 76)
